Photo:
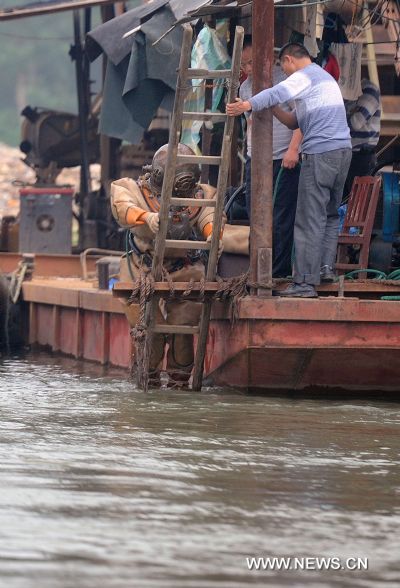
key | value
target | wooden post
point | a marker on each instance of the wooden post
(261, 162)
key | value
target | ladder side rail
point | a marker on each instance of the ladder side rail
(218, 213)
(174, 136)
(166, 193)
(212, 74)
(225, 156)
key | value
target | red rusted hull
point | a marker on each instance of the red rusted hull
(276, 343)
(300, 344)
(85, 323)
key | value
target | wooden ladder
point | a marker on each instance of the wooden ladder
(185, 73)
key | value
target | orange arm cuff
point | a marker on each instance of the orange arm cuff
(207, 230)
(135, 216)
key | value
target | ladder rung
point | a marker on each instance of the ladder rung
(124, 289)
(178, 244)
(178, 329)
(192, 202)
(213, 116)
(179, 287)
(208, 74)
(205, 159)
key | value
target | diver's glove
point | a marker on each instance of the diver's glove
(153, 220)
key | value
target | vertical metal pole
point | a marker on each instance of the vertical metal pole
(108, 146)
(109, 158)
(86, 63)
(261, 161)
(81, 90)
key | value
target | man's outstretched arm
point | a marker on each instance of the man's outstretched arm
(238, 107)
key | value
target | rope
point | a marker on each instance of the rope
(202, 289)
(9, 294)
(168, 279)
(143, 289)
(189, 289)
(17, 277)
(235, 289)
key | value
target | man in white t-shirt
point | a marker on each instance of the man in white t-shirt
(286, 145)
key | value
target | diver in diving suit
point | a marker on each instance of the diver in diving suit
(135, 205)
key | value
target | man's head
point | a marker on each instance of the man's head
(293, 56)
(187, 175)
(246, 63)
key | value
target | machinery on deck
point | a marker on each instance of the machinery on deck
(385, 246)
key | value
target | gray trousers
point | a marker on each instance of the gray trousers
(316, 228)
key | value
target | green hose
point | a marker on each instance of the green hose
(278, 177)
(378, 274)
(128, 254)
(395, 275)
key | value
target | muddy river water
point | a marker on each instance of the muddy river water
(104, 486)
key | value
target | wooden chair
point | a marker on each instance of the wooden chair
(360, 214)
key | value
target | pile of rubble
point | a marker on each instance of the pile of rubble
(14, 172)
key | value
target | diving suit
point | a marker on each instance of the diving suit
(135, 205)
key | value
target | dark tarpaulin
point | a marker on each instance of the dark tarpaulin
(144, 80)
(139, 77)
(108, 37)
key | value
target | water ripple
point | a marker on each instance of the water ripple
(102, 485)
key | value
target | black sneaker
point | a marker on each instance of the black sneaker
(299, 291)
(327, 274)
